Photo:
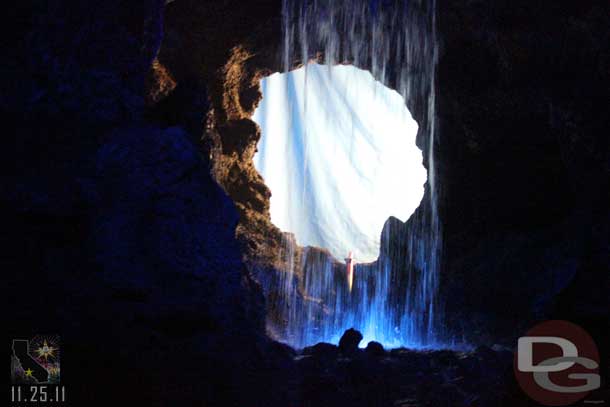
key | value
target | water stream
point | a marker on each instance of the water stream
(394, 299)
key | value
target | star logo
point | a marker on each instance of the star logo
(45, 351)
(28, 373)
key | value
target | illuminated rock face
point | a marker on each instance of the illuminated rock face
(338, 153)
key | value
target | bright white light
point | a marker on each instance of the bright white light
(338, 153)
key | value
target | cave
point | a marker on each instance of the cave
(395, 297)
(141, 229)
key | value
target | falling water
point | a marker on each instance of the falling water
(393, 300)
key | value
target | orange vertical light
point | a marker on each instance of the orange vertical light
(349, 262)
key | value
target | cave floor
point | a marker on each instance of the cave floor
(403, 377)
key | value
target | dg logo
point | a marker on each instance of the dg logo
(557, 363)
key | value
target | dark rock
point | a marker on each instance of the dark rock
(374, 349)
(444, 357)
(349, 341)
(485, 353)
(282, 348)
(548, 148)
(322, 349)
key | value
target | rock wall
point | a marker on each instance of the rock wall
(223, 61)
(523, 162)
(116, 237)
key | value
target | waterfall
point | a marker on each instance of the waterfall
(393, 300)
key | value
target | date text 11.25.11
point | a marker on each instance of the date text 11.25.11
(38, 394)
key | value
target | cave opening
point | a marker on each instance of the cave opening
(392, 296)
(338, 152)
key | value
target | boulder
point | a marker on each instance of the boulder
(374, 349)
(349, 341)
